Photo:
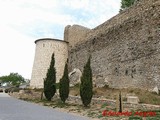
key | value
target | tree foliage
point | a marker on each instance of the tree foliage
(64, 85)
(86, 92)
(126, 3)
(50, 80)
(13, 79)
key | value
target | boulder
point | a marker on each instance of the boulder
(156, 90)
(75, 77)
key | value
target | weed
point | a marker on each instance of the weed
(91, 114)
(104, 105)
(135, 118)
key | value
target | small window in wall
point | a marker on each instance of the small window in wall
(43, 45)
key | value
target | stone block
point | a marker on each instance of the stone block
(21, 92)
(156, 90)
(75, 77)
(132, 99)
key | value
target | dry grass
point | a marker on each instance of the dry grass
(111, 93)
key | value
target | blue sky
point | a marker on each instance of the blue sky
(24, 21)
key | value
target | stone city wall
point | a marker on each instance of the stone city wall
(125, 50)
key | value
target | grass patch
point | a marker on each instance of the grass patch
(91, 114)
(60, 104)
(135, 118)
(104, 105)
(75, 90)
(143, 95)
(111, 93)
(38, 89)
(153, 118)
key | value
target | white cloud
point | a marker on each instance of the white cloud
(76, 4)
(16, 52)
(24, 21)
(98, 10)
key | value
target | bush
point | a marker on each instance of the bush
(12, 89)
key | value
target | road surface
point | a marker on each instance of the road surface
(14, 109)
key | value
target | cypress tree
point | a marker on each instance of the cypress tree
(64, 85)
(50, 80)
(86, 92)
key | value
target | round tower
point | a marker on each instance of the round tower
(43, 52)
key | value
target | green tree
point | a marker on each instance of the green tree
(64, 85)
(13, 79)
(126, 3)
(86, 92)
(50, 80)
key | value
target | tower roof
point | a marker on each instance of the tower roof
(43, 39)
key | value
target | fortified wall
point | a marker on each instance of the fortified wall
(75, 34)
(125, 50)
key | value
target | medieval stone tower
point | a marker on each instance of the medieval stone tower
(44, 50)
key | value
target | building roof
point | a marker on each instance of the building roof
(43, 39)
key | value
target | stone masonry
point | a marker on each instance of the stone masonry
(74, 34)
(44, 50)
(125, 50)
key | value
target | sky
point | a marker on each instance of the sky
(24, 21)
